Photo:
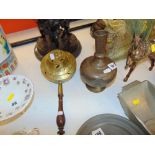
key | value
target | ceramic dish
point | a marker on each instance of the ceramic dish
(16, 93)
(109, 124)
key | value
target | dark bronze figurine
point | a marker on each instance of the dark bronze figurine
(139, 50)
(55, 35)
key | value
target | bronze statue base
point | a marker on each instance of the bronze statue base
(37, 54)
(42, 47)
(77, 52)
(68, 43)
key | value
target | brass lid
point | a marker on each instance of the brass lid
(58, 66)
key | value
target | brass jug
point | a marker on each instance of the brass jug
(98, 71)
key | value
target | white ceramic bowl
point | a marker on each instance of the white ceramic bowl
(16, 93)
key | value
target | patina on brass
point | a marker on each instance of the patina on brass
(59, 66)
(98, 71)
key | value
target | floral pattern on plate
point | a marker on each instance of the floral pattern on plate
(16, 94)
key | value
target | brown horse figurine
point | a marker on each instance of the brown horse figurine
(139, 50)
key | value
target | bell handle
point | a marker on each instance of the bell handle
(60, 116)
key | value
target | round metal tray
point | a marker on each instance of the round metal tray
(109, 124)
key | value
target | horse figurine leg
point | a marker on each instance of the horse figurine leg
(152, 59)
(127, 62)
(132, 67)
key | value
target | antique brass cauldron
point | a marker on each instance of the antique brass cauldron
(99, 70)
(59, 66)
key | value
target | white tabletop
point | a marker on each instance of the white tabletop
(79, 103)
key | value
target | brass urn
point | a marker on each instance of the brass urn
(98, 71)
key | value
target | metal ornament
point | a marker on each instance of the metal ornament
(55, 34)
(139, 50)
(59, 66)
(99, 70)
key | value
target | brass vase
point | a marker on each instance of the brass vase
(98, 71)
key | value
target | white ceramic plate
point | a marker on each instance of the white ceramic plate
(16, 93)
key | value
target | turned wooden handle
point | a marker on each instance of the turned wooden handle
(60, 116)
